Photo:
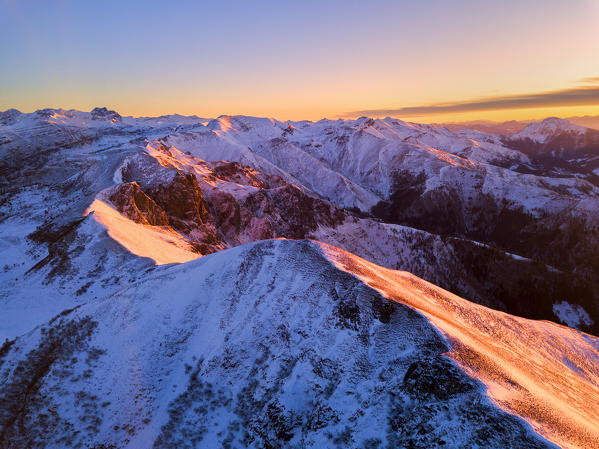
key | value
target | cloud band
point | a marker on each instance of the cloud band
(580, 96)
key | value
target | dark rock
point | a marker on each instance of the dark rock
(182, 200)
(132, 202)
(436, 378)
(226, 213)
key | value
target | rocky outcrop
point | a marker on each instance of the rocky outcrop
(227, 202)
(179, 204)
(133, 203)
(293, 213)
(244, 175)
(182, 200)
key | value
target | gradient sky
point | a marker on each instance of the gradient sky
(304, 59)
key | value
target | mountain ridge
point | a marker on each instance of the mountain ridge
(265, 285)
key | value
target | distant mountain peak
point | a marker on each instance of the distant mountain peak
(104, 113)
(9, 116)
(548, 128)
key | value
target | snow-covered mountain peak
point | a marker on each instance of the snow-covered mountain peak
(105, 114)
(9, 116)
(546, 129)
(242, 123)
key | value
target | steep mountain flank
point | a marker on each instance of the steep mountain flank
(280, 344)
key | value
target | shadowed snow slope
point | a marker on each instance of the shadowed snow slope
(294, 344)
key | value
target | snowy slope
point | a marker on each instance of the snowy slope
(545, 130)
(280, 344)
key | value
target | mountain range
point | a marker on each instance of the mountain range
(514, 126)
(246, 282)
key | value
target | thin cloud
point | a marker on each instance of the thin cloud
(578, 96)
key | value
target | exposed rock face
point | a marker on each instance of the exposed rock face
(132, 202)
(226, 212)
(235, 221)
(178, 203)
(226, 202)
(244, 175)
(293, 213)
(182, 201)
